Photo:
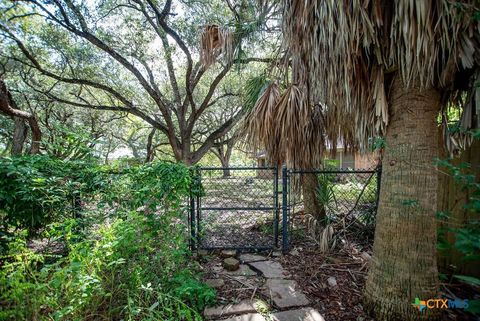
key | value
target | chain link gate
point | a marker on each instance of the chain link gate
(259, 208)
(238, 209)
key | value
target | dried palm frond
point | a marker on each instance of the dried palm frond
(214, 41)
(326, 238)
(286, 127)
(258, 125)
(349, 49)
(321, 235)
(457, 136)
(315, 140)
(292, 114)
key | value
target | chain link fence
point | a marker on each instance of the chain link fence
(260, 208)
(323, 202)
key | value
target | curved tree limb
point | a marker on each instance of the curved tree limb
(9, 108)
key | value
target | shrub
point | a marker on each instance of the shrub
(134, 266)
(37, 190)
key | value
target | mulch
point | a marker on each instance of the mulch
(312, 269)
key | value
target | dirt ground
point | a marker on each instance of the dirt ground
(311, 270)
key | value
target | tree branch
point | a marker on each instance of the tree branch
(210, 140)
(9, 108)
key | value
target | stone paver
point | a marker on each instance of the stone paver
(228, 253)
(247, 317)
(215, 283)
(270, 269)
(247, 258)
(285, 293)
(243, 270)
(247, 306)
(231, 264)
(305, 314)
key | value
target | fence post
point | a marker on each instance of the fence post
(198, 206)
(284, 208)
(192, 212)
(275, 195)
(379, 179)
(192, 222)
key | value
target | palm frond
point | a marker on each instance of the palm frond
(349, 49)
(258, 125)
(292, 114)
(254, 87)
(214, 41)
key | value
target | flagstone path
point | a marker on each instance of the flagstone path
(286, 301)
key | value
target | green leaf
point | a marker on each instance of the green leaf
(153, 306)
(468, 279)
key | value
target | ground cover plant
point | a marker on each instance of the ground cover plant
(133, 263)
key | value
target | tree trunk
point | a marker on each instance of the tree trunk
(36, 134)
(150, 149)
(225, 164)
(9, 107)
(19, 136)
(311, 203)
(404, 264)
(224, 156)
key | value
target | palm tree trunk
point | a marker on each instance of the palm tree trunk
(311, 203)
(405, 264)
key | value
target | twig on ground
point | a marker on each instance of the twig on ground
(253, 294)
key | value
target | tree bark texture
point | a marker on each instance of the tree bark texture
(150, 147)
(311, 203)
(224, 155)
(404, 264)
(9, 108)
(19, 136)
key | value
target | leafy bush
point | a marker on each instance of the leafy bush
(133, 269)
(37, 190)
(133, 266)
(66, 142)
(325, 191)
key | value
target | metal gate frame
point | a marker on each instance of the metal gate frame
(196, 209)
(196, 203)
